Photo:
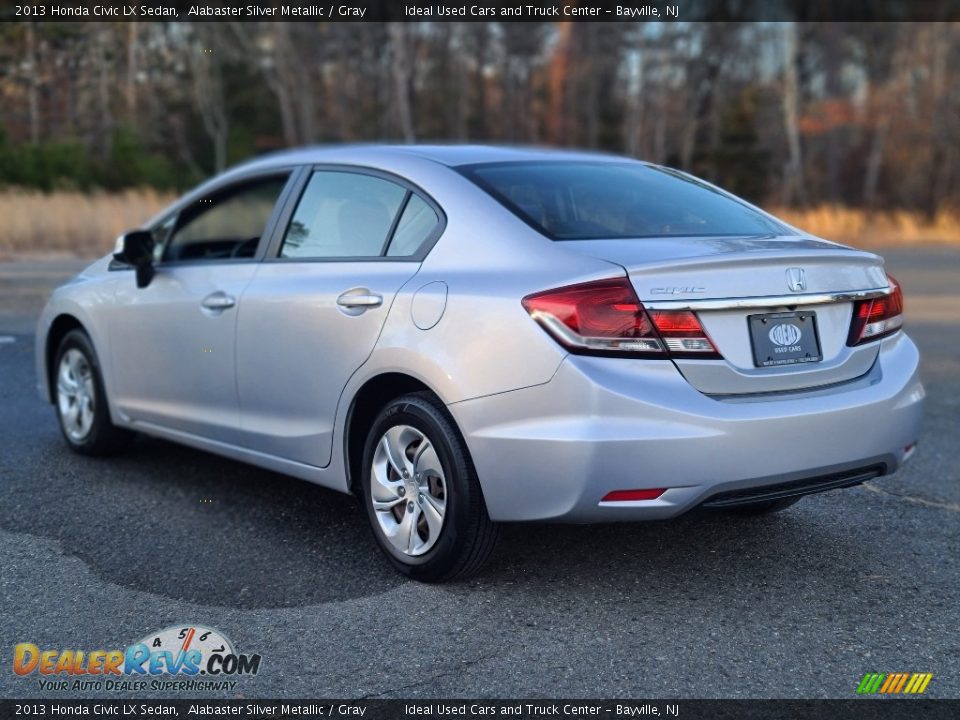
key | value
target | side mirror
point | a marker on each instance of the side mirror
(136, 248)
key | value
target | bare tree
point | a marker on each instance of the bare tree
(559, 79)
(285, 70)
(131, 86)
(794, 185)
(208, 91)
(402, 70)
(30, 68)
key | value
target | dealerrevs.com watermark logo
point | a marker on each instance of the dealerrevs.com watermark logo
(177, 658)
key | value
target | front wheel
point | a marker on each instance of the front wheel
(421, 492)
(81, 399)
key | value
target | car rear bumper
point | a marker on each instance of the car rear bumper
(553, 451)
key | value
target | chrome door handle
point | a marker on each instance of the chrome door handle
(218, 301)
(364, 300)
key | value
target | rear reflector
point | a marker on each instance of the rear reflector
(908, 451)
(877, 318)
(604, 317)
(630, 495)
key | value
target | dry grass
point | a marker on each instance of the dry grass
(857, 227)
(71, 223)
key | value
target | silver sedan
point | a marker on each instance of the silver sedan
(465, 336)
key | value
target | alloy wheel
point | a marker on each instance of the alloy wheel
(75, 394)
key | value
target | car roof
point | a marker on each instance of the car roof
(391, 158)
(451, 155)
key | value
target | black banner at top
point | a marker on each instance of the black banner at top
(482, 10)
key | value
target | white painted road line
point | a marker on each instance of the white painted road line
(7, 339)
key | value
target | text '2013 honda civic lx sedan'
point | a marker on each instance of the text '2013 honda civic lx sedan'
(465, 336)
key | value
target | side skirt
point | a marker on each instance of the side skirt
(330, 476)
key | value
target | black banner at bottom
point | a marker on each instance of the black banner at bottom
(858, 709)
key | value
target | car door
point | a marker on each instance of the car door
(173, 341)
(313, 312)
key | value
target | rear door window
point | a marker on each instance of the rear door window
(418, 224)
(343, 215)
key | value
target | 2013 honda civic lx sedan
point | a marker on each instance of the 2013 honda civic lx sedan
(464, 336)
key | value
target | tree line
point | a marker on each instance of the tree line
(801, 113)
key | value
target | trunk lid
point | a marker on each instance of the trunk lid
(726, 280)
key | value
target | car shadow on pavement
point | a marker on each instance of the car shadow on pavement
(702, 556)
(182, 523)
(177, 522)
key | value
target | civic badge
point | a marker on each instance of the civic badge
(796, 279)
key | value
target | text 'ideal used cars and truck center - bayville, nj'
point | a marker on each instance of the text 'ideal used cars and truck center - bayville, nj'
(516, 11)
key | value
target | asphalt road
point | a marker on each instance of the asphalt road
(96, 554)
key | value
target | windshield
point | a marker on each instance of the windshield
(599, 200)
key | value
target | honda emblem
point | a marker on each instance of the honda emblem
(796, 279)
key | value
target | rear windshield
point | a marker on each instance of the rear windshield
(597, 200)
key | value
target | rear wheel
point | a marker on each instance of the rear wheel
(764, 508)
(81, 400)
(421, 492)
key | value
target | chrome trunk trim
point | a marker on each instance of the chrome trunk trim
(767, 301)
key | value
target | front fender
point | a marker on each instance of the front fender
(76, 299)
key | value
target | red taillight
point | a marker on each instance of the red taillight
(604, 317)
(630, 495)
(878, 317)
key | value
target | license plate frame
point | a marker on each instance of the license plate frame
(784, 338)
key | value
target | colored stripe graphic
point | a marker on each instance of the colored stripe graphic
(894, 683)
(888, 683)
(870, 683)
(897, 683)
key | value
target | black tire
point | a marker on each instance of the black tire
(103, 437)
(467, 536)
(764, 508)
